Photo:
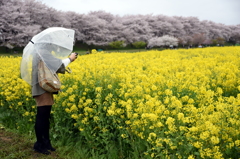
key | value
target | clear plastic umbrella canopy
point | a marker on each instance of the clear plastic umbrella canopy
(51, 46)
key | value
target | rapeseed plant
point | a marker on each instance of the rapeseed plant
(173, 103)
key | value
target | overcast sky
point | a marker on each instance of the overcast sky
(219, 11)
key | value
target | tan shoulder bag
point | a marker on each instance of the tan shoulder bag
(48, 79)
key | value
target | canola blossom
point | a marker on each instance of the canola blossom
(158, 104)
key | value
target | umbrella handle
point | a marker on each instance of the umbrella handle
(68, 69)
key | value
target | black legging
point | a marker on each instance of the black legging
(42, 123)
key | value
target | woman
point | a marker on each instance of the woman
(44, 101)
(49, 46)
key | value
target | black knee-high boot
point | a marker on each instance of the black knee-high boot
(40, 127)
(46, 136)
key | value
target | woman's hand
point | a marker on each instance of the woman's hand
(73, 56)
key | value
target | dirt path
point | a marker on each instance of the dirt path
(15, 146)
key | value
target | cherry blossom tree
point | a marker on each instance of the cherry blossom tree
(169, 40)
(165, 40)
(76, 22)
(95, 29)
(185, 41)
(15, 25)
(235, 36)
(198, 39)
(134, 29)
(21, 19)
(207, 42)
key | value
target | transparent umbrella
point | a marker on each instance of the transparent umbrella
(51, 46)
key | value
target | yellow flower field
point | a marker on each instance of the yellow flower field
(154, 104)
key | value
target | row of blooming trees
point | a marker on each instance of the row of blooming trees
(20, 20)
(165, 40)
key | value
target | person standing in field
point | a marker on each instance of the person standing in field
(44, 101)
(52, 48)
